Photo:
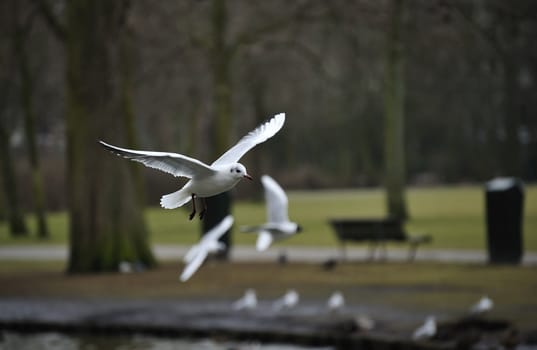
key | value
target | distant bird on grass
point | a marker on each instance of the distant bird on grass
(208, 244)
(485, 304)
(205, 180)
(426, 330)
(288, 301)
(247, 302)
(278, 225)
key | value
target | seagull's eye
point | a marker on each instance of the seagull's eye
(237, 171)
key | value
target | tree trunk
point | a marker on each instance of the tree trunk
(511, 114)
(219, 206)
(26, 94)
(17, 225)
(394, 116)
(3, 214)
(106, 214)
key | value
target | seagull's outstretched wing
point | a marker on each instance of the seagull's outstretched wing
(193, 265)
(172, 163)
(276, 200)
(213, 234)
(264, 240)
(216, 232)
(191, 254)
(254, 137)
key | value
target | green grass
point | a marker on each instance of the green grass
(454, 216)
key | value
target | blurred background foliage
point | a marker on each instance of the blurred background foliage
(470, 88)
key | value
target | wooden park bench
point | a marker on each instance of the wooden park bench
(377, 232)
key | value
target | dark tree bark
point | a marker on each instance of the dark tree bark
(17, 225)
(12, 209)
(219, 206)
(394, 115)
(106, 218)
(26, 97)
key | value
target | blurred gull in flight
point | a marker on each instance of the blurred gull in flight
(205, 180)
(208, 244)
(484, 305)
(278, 225)
(427, 330)
(248, 301)
(289, 300)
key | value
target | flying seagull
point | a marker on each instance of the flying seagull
(426, 330)
(208, 244)
(248, 301)
(278, 225)
(484, 305)
(287, 301)
(205, 180)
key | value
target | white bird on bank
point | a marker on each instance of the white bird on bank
(278, 225)
(289, 300)
(205, 180)
(427, 330)
(247, 302)
(484, 304)
(208, 244)
(336, 301)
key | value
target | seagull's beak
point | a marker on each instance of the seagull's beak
(248, 177)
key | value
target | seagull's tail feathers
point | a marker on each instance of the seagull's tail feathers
(175, 199)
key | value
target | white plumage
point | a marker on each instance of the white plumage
(205, 180)
(336, 301)
(278, 225)
(287, 301)
(426, 330)
(247, 302)
(208, 244)
(484, 305)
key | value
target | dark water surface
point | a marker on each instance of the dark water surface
(58, 341)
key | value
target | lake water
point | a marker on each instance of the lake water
(57, 341)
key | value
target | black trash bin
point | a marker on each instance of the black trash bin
(504, 213)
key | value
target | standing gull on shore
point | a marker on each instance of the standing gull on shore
(482, 306)
(287, 301)
(426, 330)
(247, 302)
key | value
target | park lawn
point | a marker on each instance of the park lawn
(453, 215)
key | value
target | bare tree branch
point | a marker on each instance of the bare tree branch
(493, 43)
(52, 21)
(252, 36)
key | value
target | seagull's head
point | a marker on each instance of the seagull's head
(239, 171)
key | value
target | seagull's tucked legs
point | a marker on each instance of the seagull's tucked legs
(193, 207)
